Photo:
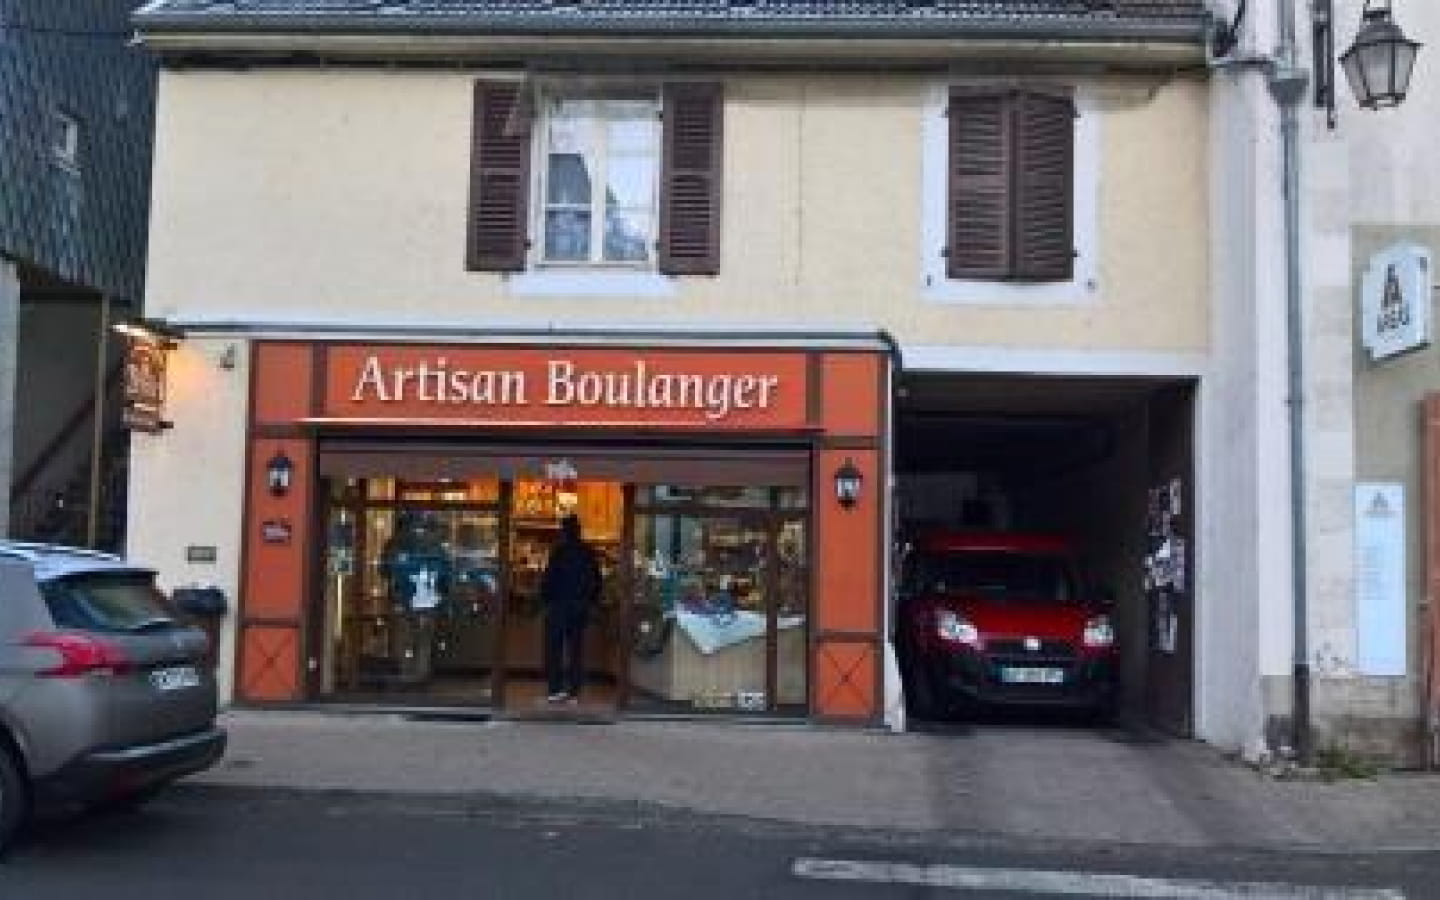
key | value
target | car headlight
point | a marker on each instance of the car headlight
(953, 627)
(1099, 632)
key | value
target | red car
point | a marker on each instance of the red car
(991, 619)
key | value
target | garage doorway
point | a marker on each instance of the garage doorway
(1106, 464)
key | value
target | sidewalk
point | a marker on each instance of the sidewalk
(1044, 783)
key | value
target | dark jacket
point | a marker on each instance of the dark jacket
(571, 585)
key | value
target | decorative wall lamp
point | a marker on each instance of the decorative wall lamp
(848, 481)
(279, 472)
(1379, 64)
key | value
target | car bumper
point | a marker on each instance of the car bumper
(976, 679)
(131, 770)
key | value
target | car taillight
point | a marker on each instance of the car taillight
(79, 655)
(1099, 632)
(955, 628)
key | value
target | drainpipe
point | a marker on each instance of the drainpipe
(1288, 82)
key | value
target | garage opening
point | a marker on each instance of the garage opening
(1047, 545)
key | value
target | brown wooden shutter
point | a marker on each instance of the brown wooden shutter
(979, 192)
(690, 179)
(499, 179)
(1044, 172)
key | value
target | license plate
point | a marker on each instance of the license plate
(1016, 675)
(175, 678)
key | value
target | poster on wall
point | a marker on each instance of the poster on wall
(1380, 618)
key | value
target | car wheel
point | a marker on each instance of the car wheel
(14, 798)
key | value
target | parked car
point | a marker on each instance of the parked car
(105, 694)
(990, 619)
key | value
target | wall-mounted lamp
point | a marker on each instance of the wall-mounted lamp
(279, 472)
(228, 357)
(1379, 64)
(848, 482)
(148, 330)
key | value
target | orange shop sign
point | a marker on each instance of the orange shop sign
(567, 386)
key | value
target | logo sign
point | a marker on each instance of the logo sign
(275, 531)
(1395, 301)
(144, 385)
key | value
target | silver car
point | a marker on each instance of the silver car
(105, 694)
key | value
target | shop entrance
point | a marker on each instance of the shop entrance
(432, 590)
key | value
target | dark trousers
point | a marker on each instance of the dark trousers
(564, 652)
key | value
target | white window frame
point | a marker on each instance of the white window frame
(937, 286)
(540, 165)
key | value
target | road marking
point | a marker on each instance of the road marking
(1082, 884)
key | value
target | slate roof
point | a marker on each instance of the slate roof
(1153, 19)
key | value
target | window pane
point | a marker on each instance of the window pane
(567, 235)
(634, 136)
(569, 180)
(627, 236)
(630, 182)
(114, 602)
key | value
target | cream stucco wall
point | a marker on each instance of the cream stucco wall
(341, 193)
(187, 483)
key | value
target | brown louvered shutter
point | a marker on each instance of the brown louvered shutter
(1044, 167)
(979, 192)
(690, 179)
(499, 179)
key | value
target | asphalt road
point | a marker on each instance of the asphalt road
(219, 843)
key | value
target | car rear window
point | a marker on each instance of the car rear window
(125, 602)
(1017, 577)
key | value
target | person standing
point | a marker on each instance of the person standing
(569, 588)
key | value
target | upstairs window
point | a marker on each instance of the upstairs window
(1009, 204)
(600, 177)
(624, 180)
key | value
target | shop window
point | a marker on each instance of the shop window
(626, 180)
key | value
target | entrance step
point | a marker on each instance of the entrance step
(581, 713)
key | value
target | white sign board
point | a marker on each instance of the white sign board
(1380, 609)
(1395, 301)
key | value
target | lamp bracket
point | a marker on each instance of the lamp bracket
(1288, 84)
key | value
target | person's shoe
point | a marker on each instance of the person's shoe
(558, 697)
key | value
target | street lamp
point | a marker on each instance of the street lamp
(1379, 63)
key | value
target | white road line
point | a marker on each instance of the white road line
(1082, 884)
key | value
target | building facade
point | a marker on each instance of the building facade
(76, 105)
(966, 255)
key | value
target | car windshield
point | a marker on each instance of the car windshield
(108, 601)
(1011, 577)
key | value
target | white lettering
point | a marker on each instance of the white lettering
(692, 391)
(373, 377)
(660, 391)
(744, 387)
(512, 387)
(561, 383)
(590, 389)
(767, 384)
(459, 387)
(402, 378)
(717, 398)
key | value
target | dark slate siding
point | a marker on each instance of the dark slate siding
(86, 224)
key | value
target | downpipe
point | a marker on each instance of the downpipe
(1288, 83)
